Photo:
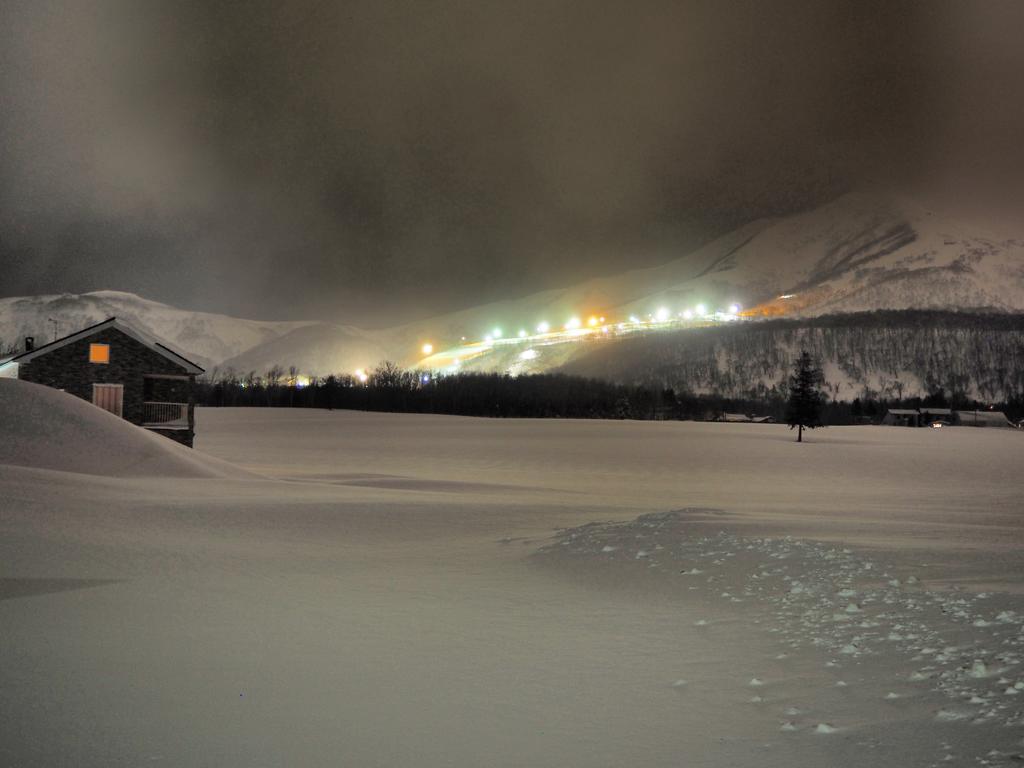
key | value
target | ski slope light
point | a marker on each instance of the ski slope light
(496, 333)
(687, 314)
(593, 321)
(662, 314)
(361, 376)
(574, 322)
(634, 319)
(543, 327)
(701, 310)
(529, 354)
(428, 349)
(734, 309)
(522, 333)
(425, 378)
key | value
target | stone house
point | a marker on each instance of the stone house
(120, 369)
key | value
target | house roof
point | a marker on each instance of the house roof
(902, 412)
(112, 322)
(988, 417)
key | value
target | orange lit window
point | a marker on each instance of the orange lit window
(99, 353)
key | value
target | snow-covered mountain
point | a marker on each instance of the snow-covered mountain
(860, 252)
(202, 337)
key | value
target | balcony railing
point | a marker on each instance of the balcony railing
(169, 415)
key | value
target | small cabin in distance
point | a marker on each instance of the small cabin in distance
(902, 417)
(926, 417)
(118, 368)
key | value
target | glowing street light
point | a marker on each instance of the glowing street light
(701, 310)
(543, 327)
(687, 314)
(361, 376)
(496, 333)
(593, 321)
(522, 333)
(574, 322)
(734, 309)
(662, 314)
(428, 348)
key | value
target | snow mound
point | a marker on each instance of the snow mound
(45, 428)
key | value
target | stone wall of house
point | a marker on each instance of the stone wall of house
(68, 368)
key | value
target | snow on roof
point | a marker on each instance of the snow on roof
(112, 322)
(937, 411)
(903, 412)
(988, 418)
(45, 428)
(735, 417)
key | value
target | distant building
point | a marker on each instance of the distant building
(982, 419)
(743, 418)
(738, 418)
(925, 417)
(120, 369)
(902, 417)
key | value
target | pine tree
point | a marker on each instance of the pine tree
(805, 398)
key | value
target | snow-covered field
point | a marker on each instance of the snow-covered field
(337, 588)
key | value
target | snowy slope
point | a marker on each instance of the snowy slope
(320, 348)
(203, 337)
(45, 428)
(860, 252)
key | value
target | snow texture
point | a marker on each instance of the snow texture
(381, 589)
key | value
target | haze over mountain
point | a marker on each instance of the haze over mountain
(858, 253)
(373, 163)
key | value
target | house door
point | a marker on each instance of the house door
(109, 397)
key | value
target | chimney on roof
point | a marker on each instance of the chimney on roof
(30, 343)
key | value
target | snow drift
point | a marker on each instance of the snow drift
(45, 428)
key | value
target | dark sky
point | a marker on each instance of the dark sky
(374, 160)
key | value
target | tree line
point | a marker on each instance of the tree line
(389, 387)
